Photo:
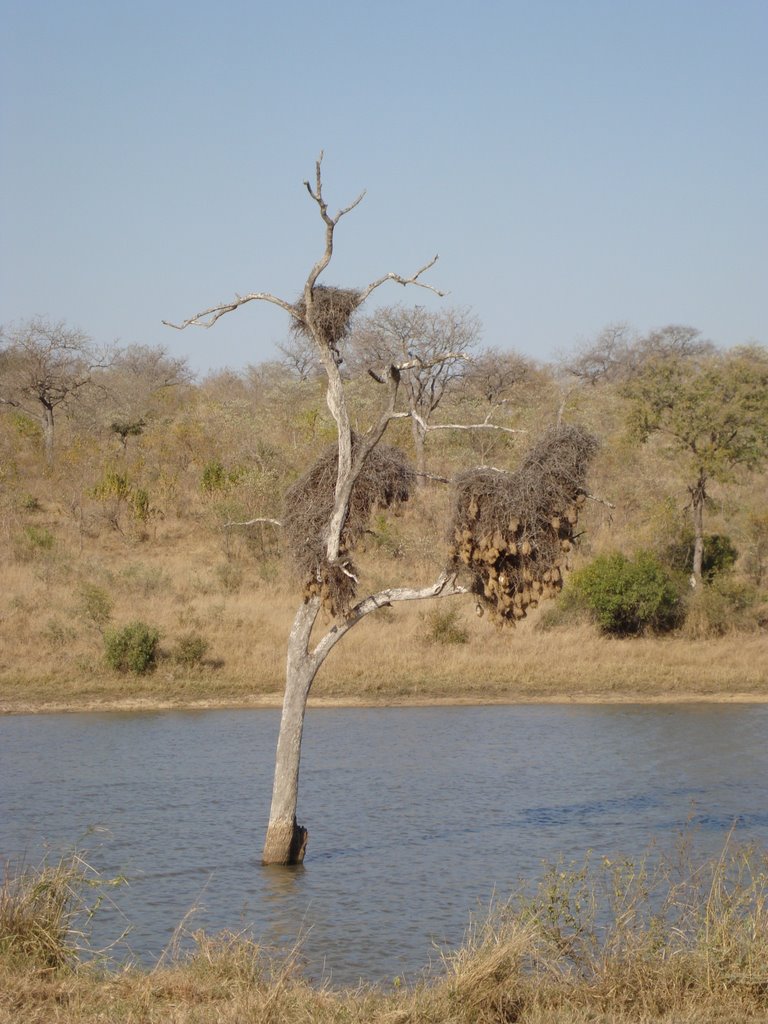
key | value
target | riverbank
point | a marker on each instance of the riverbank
(647, 941)
(391, 664)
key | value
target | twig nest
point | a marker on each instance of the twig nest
(330, 315)
(511, 532)
(385, 481)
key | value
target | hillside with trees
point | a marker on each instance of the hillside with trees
(158, 501)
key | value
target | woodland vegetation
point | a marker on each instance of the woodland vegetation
(157, 501)
(154, 501)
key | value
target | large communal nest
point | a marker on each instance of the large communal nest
(385, 481)
(332, 311)
(511, 533)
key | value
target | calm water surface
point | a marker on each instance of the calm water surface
(417, 817)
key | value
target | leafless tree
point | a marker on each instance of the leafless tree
(133, 384)
(300, 358)
(433, 345)
(328, 509)
(43, 367)
(286, 840)
(607, 358)
(618, 354)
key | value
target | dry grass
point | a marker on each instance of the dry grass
(656, 940)
(183, 581)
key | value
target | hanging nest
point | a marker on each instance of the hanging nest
(511, 533)
(385, 481)
(332, 311)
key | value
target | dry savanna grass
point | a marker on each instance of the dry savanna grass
(223, 600)
(660, 939)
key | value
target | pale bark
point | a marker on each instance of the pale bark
(286, 840)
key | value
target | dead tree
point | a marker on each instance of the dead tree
(323, 314)
(328, 510)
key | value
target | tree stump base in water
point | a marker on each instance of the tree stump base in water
(286, 843)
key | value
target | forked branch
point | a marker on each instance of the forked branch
(444, 586)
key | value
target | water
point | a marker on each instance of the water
(417, 817)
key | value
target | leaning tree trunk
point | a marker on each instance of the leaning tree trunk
(698, 497)
(286, 840)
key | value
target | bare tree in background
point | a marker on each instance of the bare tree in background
(300, 358)
(43, 367)
(433, 345)
(136, 380)
(618, 353)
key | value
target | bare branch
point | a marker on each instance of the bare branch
(252, 522)
(208, 317)
(601, 501)
(444, 586)
(464, 426)
(413, 279)
(425, 364)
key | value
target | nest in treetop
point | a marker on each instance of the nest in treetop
(511, 532)
(385, 481)
(332, 311)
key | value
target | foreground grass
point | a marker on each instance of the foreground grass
(660, 939)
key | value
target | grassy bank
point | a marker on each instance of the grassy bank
(393, 660)
(659, 939)
(59, 602)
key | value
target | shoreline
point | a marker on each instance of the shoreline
(271, 702)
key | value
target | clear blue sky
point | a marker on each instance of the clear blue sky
(573, 162)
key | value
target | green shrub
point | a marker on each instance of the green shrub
(718, 557)
(132, 649)
(190, 649)
(445, 627)
(629, 596)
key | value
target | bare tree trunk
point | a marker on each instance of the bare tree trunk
(698, 497)
(419, 438)
(286, 840)
(48, 431)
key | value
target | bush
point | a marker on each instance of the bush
(629, 596)
(190, 649)
(445, 627)
(132, 649)
(718, 557)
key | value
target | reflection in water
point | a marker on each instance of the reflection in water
(417, 816)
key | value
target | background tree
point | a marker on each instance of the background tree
(712, 411)
(44, 366)
(135, 386)
(431, 346)
(618, 353)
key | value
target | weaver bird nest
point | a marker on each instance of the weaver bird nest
(385, 481)
(332, 311)
(511, 532)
